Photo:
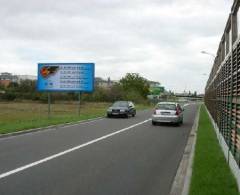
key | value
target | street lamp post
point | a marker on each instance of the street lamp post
(208, 53)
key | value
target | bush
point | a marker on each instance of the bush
(43, 98)
(9, 96)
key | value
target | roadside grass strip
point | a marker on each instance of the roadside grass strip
(18, 116)
(211, 174)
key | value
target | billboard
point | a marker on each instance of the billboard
(66, 77)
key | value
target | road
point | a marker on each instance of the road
(101, 157)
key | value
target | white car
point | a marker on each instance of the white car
(168, 112)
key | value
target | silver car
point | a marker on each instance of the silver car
(168, 112)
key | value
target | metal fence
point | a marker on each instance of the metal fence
(222, 92)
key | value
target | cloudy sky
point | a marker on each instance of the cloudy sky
(160, 39)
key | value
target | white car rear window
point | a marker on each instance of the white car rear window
(166, 107)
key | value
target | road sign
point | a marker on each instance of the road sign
(67, 77)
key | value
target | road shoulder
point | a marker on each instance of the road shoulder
(182, 179)
(48, 127)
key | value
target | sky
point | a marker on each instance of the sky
(161, 40)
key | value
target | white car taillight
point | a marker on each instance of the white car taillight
(177, 112)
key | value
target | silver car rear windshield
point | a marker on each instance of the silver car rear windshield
(166, 107)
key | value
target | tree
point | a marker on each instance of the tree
(27, 86)
(134, 83)
(2, 87)
(116, 92)
(13, 86)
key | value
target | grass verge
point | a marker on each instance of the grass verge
(211, 173)
(17, 116)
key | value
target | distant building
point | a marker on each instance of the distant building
(26, 77)
(100, 82)
(5, 83)
(6, 78)
(184, 93)
(154, 84)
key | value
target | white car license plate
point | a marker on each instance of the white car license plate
(165, 113)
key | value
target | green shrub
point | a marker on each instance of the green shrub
(9, 96)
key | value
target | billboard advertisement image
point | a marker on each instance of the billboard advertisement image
(66, 77)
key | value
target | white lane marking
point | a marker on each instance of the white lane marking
(188, 104)
(6, 174)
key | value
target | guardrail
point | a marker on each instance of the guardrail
(222, 92)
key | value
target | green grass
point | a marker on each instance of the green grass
(17, 116)
(143, 106)
(211, 173)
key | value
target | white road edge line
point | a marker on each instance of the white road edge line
(185, 105)
(14, 171)
(82, 123)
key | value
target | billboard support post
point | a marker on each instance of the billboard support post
(79, 103)
(49, 105)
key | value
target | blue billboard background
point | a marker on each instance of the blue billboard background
(66, 77)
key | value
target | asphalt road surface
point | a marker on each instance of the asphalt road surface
(101, 157)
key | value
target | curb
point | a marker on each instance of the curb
(182, 180)
(46, 128)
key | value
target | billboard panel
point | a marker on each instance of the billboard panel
(66, 77)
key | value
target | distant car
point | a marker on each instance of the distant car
(168, 112)
(122, 108)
